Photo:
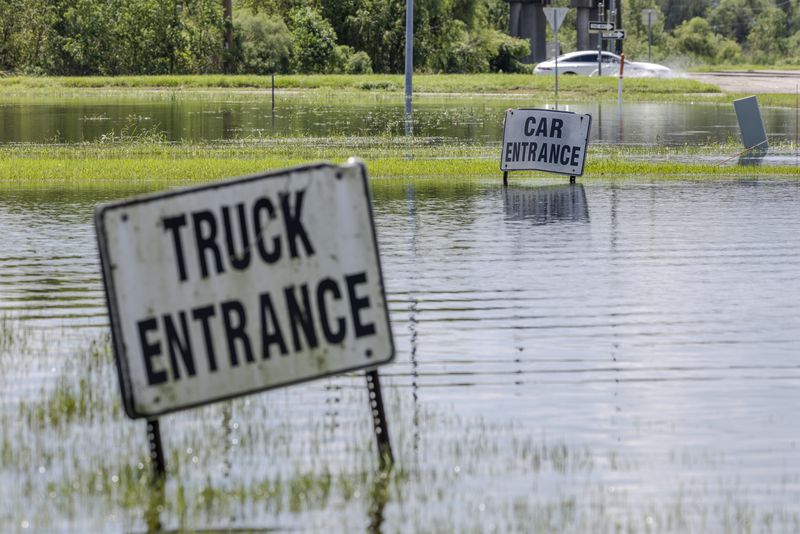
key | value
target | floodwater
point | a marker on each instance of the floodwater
(446, 119)
(619, 356)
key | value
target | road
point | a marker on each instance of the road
(766, 81)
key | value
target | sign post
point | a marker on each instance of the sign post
(544, 140)
(602, 11)
(650, 16)
(619, 81)
(242, 286)
(555, 16)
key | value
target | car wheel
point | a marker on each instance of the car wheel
(570, 73)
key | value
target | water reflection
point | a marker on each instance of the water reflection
(442, 119)
(48, 256)
(546, 361)
(546, 204)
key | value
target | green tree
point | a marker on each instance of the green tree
(676, 12)
(767, 39)
(696, 38)
(733, 18)
(378, 28)
(637, 38)
(32, 43)
(314, 41)
(202, 35)
(265, 43)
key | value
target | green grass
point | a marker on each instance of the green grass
(153, 164)
(572, 88)
(423, 83)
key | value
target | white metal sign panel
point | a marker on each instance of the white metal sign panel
(243, 285)
(613, 35)
(555, 16)
(545, 140)
(597, 27)
(650, 16)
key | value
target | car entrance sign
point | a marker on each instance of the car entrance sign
(545, 140)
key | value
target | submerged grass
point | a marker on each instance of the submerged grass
(155, 164)
(424, 83)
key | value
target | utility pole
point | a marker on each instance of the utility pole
(409, 60)
(227, 6)
(612, 16)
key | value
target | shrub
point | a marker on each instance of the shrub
(266, 43)
(314, 41)
(359, 63)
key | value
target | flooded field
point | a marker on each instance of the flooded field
(610, 357)
(443, 119)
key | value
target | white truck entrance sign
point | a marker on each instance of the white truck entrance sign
(242, 286)
(545, 140)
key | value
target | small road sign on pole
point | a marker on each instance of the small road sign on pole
(555, 16)
(597, 27)
(650, 16)
(613, 35)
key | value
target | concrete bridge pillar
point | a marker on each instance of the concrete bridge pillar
(588, 10)
(527, 21)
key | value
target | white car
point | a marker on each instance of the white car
(585, 62)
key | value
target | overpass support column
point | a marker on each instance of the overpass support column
(587, 10)
(527, 21)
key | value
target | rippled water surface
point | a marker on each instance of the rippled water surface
(624, 355)
(220, 116)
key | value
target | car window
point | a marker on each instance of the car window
(608, 59)
(585, 58)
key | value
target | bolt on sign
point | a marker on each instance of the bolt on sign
(545, 140)
(244, 285)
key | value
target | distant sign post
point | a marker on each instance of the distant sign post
(601, 8)
(555, 16)
(650, 17)
(241, 286)
(544, 140)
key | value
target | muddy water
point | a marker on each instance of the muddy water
(585, 359)
(447, 119)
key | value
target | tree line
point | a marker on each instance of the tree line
(697, 32)
(114, 37)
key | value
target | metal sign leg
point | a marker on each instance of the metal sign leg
(156, 450)
(385, 456)
(505, 178)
